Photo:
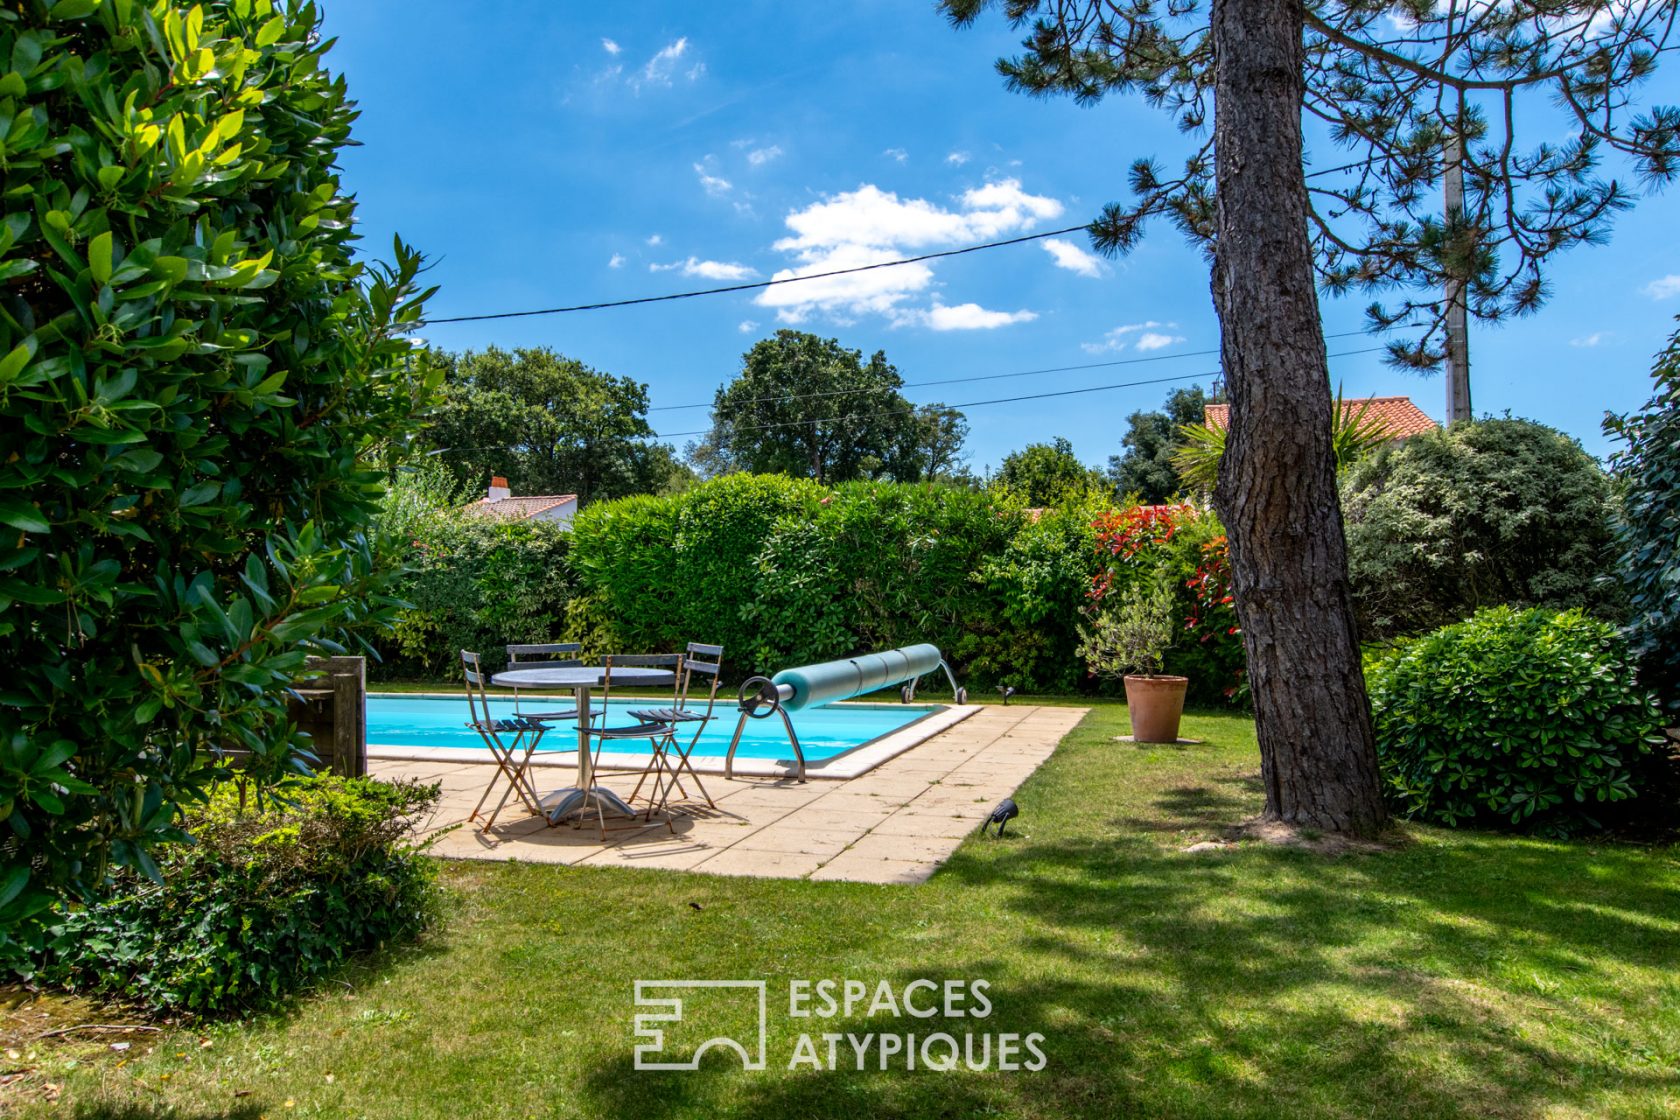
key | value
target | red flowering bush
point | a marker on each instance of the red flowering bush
(1184, 547)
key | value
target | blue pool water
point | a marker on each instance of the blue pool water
(413, 721)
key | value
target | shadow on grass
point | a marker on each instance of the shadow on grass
(137, 1110)
(1257, 982)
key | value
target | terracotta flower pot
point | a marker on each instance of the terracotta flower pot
(1155, 705)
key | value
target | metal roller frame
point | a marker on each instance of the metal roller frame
(761, 697)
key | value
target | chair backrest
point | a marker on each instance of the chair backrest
(706, 662)
(670, 661)
(477, 698)
(553, 654)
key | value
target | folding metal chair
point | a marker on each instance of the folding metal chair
(510, 762)
(546, 655)
(653, 732)
(671, 760)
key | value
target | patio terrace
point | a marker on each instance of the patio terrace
(894, 824)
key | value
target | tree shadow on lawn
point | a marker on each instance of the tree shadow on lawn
(138, 1110)
(1196, 807)
(1261, 982)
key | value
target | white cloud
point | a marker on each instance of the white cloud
(747, 326)
(1150, 336)
(1593, 339)
(709, 270)
(957, 159)
(968, 317)
(617, 261)
(1665, 288)
(758, 157)
(655, 239)
(898, 154)
(870, 226)
(1071, 257)
(662, 67)
(1154, 340)
(610, 46)
(714, 185)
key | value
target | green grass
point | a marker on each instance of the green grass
(1457, 975)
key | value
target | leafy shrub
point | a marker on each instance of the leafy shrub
(1025, 631)
(1131, 636)
(656, 572)
(476, 583)
(1511, 717)
(266, 901)
(1497, 511)
(200, 388)
(1648, 530)
(1184, 548)
(783, 571)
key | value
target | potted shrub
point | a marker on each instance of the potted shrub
(1129, 641)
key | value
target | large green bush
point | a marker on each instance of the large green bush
(655, 573)
(1528, 718)
(783, 571)
(1483, 513)
(1025, 631)
(265, 902)
(476, 583)
(1648, 529)
(199, 390)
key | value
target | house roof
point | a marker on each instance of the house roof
(519, 509)
(1398, 414)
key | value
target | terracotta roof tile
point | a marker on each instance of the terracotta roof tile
(1401, 416)
(521, 508)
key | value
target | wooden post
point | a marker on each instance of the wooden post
(333, 712)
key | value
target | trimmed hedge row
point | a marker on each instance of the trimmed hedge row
(476, 583)
(783, 571)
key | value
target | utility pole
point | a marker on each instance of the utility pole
(1458, 326)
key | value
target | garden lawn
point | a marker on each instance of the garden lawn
(1461, 974)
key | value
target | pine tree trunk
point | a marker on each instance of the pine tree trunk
(1277, 478)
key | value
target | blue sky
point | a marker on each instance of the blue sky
(545, 154)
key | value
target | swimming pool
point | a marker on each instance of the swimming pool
(400, 726)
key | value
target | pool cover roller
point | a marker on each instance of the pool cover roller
(812, 686)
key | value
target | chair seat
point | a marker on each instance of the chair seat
(555, 716)
(666, 715)
(506, 725)
(641, 731)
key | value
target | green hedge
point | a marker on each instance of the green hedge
(1513, 718)
(782, 571)
(263, 903)
(475, 583)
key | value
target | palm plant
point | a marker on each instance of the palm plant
(1353, 435)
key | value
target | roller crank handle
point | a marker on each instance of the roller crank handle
(762, 698)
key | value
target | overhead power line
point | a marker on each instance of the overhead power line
(756, 284)
(977, 404)
(759, 284)
(979, 377)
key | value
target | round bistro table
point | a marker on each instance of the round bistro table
(581, 680)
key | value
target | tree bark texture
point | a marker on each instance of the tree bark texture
(1277, 479)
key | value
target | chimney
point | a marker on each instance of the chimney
(499, 489)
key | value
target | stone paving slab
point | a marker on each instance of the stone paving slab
(895, 824)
